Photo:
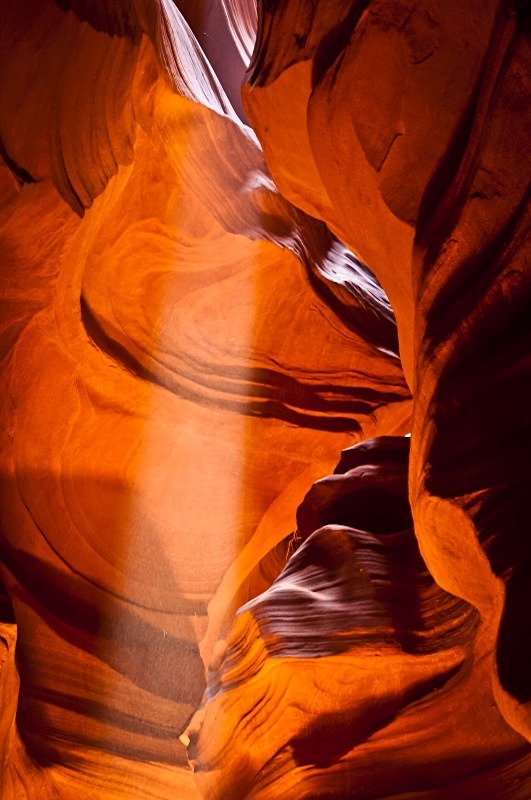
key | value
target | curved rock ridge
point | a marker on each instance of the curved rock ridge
(116, 19)
(372, 567)
(202, 356)
(84, 135)
(355, 658)
(225, 31)
(367, 491)
(182, 354)
(402, 125)
(188, 338)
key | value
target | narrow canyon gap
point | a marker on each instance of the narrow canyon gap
(265, 389)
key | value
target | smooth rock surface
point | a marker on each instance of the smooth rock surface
(190, 341)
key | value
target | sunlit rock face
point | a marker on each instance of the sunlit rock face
(414, 119)
(354, 674)
(184, 353)
(190, 339)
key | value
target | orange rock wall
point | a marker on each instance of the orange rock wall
(190, 338)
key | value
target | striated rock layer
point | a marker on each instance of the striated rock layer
(403, 126)
(186, 349)
(183, 354)
(354, 674)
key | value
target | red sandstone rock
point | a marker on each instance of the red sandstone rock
(182, 357)
(354, 674)
(415, 118)
(185, 354)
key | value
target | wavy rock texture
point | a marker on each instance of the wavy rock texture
(164, 412)
(403, 126)
(185, 351)
(354, 674)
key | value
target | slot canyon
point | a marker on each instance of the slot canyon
(265, 359)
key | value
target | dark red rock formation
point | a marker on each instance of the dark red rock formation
(186, 349)
(415, 118)
(355, 675)
(163, 412)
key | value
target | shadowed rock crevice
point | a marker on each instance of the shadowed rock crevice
(196, 319)
(6, 606)
(348, 604)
